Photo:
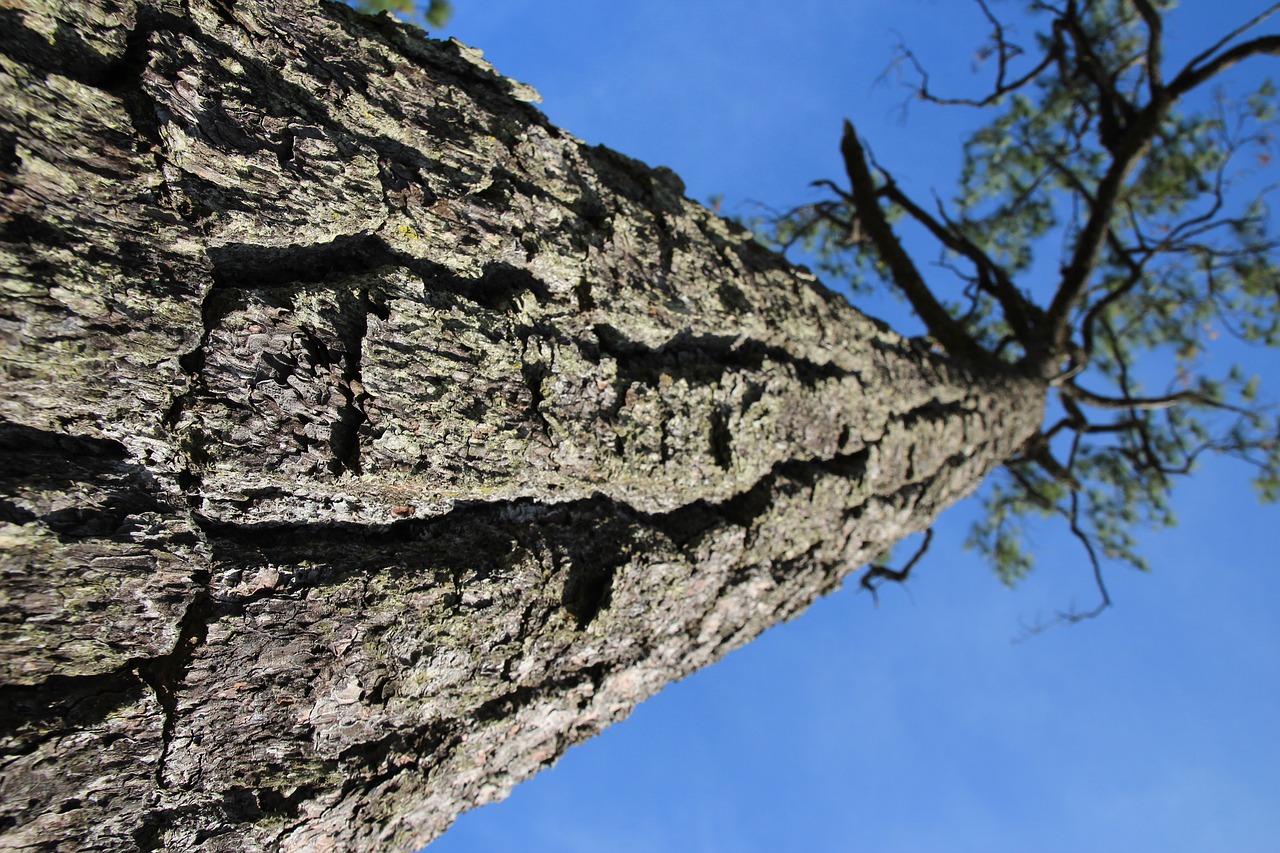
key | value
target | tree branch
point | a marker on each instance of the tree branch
(1017, 310)
(1155, 35)
(1084, 259)
(875, 226)
(1191, 67)
(1127, 403)
(1072, 617)
(1191, 77)
(884, 573)
(1037, 450)
(1005, 51)
(1128, 149)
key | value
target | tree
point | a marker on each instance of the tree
(1143, 190)
(368, 441)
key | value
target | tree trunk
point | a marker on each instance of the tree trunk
(367, 441)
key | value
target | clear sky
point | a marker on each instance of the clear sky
(918, 726)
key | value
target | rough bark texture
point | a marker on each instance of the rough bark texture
(366, 441)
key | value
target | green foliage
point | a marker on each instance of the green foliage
(436, 14)
(1142, 185)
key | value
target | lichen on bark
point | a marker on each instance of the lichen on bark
(367, 441)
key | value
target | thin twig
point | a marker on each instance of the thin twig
(1072, 616)
(884, 573)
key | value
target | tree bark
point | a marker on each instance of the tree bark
(366, 441)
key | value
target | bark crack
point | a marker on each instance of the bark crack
(706, 358)
(165, 674)
(250, 266)
(397, 752)
(344, 441)
(682, 523)
(510, 703)
(33, 715)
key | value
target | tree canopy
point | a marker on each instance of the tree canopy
(1110, 223)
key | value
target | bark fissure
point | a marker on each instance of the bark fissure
(706, 358)
(245, 266)
(504, 706)
(164, 674)
(38, 713)
(741, 508)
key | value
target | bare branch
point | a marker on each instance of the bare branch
(834, 187)
(1127, 425)
(1155, 35)
(1225, 40)
(1191, 77)
(1140, 404)
(1072, 617)
(1129, 403)
(1017, 310)
(941, 325)
(1005, 52)
(883, 573)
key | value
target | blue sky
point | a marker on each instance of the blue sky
(920, 725)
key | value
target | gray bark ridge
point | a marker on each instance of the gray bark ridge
(366, 441)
